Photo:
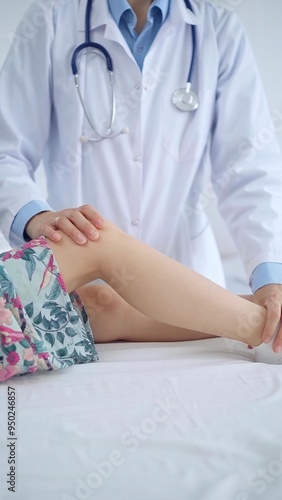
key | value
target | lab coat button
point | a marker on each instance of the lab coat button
(135, 222)
(137, 158)
(137, 86)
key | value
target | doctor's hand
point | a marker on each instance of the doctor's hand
(80, 224)
(270, 297)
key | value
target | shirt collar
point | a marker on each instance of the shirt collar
(117, 8)
(100, 12)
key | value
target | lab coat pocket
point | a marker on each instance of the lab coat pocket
(186, 133)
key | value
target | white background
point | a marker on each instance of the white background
(262, 20)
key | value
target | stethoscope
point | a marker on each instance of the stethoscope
(185, 99)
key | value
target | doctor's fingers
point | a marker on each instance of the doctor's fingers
(92, 215)
(273, 324)
(270, 297)
(75, 225)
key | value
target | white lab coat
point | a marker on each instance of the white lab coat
(4, 245)
(155, 182)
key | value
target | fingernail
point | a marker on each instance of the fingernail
(267, 340)
(81, 239)
(93, 234)
(101, 222)
(278, 349)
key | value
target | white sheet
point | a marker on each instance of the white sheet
(221, 429)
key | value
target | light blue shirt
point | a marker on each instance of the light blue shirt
(139, 44)
(126, 20)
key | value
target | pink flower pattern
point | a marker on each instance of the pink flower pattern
(5, 314)
(7, 256)
(28, 354)
(16, 303)
(32, 369)
(43, 355)
(18, 254)
(44, 328)
(8, 372)
(61, 282)
(39, 242)
(13, 358)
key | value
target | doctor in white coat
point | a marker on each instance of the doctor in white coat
(156, 172)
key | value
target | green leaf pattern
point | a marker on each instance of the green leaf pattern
(50, 327)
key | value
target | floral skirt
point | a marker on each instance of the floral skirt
(42, 327)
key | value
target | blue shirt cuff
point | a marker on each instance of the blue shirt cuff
(25, 214)
(268, 273)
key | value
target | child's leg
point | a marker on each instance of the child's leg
(112, 318)
(159, 287)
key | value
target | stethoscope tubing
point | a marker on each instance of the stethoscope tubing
(92, 45)
(179, 99)
(192, 65)
(109, 63)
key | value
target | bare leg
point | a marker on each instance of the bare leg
(112, 318)
(159, 287)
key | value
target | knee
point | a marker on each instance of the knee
(98, 299)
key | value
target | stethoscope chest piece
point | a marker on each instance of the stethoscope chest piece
(185, 101)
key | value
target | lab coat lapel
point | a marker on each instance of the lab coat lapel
(101, 18)
(179, 12)
(99, 14)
